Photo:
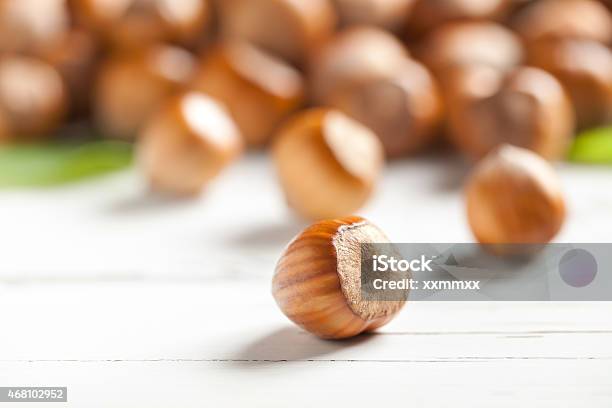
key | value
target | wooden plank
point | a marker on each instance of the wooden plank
(195, 384)
(225, 321)
(111, 229)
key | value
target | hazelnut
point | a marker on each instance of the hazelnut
(187, 144)
(130, 23)
(318, 279)
(527, 107)
(514, 197)
(585, 19)
(291, 29)
(32, 97)
(584, 67)
(131, 86)
(258, 89)
(388, 14)
(31, 25)
(75, 55)
(327, 163)
(489, 44)
(355, 56)
(429, 14)
(404, 108)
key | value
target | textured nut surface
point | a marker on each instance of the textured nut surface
(258, 89)
(187, 144)
(327, 163)
(318, 277)
(514, 197)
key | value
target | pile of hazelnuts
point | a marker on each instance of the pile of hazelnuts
(333, 87)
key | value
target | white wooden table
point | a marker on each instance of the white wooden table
(136, 301)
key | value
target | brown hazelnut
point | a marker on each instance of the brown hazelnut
(129, 23)
(353, 57)
(32, 98)
(75, 55)
(258, 89)
(187, 143)
(404, 108)
(388, 14)
(131, 86)
(429, 14)
(291, 29)
(585, 19)
(584, 67)
(527, 108)
(31, 25)
(514, 197)
(327, 163)
(318, 279)
(471, 43)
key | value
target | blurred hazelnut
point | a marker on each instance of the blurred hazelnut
(388, 14)
(32, 98)
(31, 25)
(527, 107)
(75, 55)
(291, 29)
(469, 43)
(584, 19)
(187, 143)
(131, 86)
(429, 14)
(403, 108)
(258, 89)
(514, 197)
(130, 23)
(353, 57)
(327, 163)
(318, 279)
(584, 67)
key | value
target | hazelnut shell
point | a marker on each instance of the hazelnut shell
(187, 143)
(131, 86)
(258, 89)
(527, 108)
(317, 280)
(327, 163)
(514, 197)
(290, 29)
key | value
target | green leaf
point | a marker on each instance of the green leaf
(53, 164)
(593, 147)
